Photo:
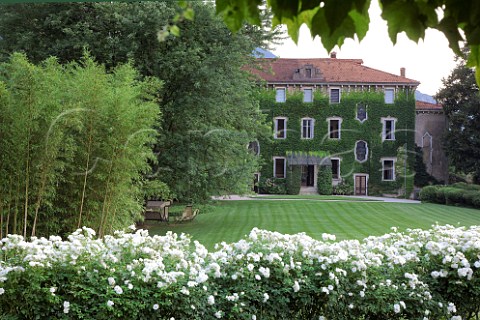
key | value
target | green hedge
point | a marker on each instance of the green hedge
(459, 194)
(418, 274)
(273, 186)
(324, 180)
(294, 179)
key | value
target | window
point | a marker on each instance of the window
(361, 112)
(334, 95)
(388, 169)
(361, 151)
(334, 128)
(254, 148)
(308, 73)
(279, 167)
(307, 95)
(307, 128)
(280, 128)
(388, 130)
(335, 168)
(280, 95)
(389, 95)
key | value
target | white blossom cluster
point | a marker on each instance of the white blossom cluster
(406, 271)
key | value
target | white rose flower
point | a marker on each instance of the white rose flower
(296, 287)
(396, 308)
(118, 290)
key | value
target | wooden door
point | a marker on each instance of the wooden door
(361, 185)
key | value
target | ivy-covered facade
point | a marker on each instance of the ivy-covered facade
(336, 113)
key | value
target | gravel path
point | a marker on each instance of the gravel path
(342, 199)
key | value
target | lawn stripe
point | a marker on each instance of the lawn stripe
(231, 220)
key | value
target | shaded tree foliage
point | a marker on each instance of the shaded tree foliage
(461, 103)
(422, 177)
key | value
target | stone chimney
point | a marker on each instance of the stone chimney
(333, 55)
(402, 72)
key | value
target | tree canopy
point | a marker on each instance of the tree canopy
(335, 20)
(209, 113)
(461, 101)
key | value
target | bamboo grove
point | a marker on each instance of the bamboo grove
(75, 142)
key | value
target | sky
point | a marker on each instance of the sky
(429, 61)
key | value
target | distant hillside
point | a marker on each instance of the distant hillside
(424, 97)
(262, 53)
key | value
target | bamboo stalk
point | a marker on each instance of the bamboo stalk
(79, 224)
(1, 219)
(15, 212)
(38, 203)
(103, 218)
(27, 182)
(9, 206)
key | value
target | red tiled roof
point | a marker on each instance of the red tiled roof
(422, 105)
(328, 70)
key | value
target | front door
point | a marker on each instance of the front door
(360, 185)
(308, 176)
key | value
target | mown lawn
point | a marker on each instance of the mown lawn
(230, 220)
(312, 197)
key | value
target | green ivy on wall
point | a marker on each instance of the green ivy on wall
(352, 130)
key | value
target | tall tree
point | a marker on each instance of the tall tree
(461, 101)
(209, 111)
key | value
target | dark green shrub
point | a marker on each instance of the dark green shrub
(476, 200)
(343, 189)
(422, 177)
(469, 197)
(440, 195)
(428, 194)
(324, 180)
(453, 196)
(466, 186)
(294, 180)
(273, 186)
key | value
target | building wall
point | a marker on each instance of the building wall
(352, 130)
(429, 129)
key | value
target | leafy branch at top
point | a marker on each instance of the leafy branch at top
(335, 20)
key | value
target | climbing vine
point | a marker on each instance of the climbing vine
(352, 130)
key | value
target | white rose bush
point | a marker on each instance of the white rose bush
(416, 274)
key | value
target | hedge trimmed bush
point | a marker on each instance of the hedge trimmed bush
(272, 186)
(428, 194)
(419, 274)
(459, 194)
(324, 180)
(294, 180)
(466, 186)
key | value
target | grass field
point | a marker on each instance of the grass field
(312, 197)
(230, 220)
